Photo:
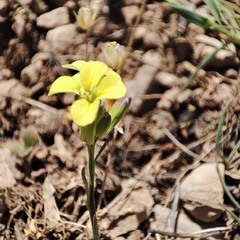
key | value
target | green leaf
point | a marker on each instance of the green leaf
(231, 155)
(84, 179)
(215, 11)
(117, 111)
(227, 191)
(190, 15)
(219, 133)
(100, 152)
(95, 228)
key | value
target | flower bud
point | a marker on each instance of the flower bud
(85, 17)
(113, 55)
(103, 125)
(87, 133)
(117, 111)
(30, 138)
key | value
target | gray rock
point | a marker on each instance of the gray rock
(152, 58)
(60, 37)
(55, 18)
(166, 79)
(183, 225)
(202, 193)
(39, 7)
(130, 14)
(183, 48)
(143, 83)
(152, 40)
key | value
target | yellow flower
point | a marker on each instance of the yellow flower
(113, 54)
(85, 17)
(94, 82)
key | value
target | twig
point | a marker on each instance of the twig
(201, 234)
(130, 42)
(32, 102)
(180, 145)
(173, 215)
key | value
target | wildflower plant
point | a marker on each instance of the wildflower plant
(93, 83)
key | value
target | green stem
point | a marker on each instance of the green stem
(90, 195)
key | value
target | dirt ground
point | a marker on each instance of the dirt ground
(162, 180)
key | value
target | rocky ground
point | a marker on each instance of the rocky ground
(164, 170)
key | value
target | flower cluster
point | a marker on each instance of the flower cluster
(93, 82)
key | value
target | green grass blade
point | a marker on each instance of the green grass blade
(190, 15)
(226, 189)
(219, 133)
(231, 155)
(233, 215)
(215, 11)
(100, 152)
(230, 15)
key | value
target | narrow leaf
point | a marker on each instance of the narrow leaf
(215, 11)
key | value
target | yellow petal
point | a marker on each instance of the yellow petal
(75, 65)
(64, 84)
(111, 87)
(77, 77)
(91, 73)
(83, 112)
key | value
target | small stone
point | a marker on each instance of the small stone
(129, 212)
(140, 33)
(183, 48)
(143, 83)
(61, 37)
(202, 192)
(39, 7)
(231, 73)
(30, 75)
(51, 19)
(71, 5)
(184, 223)
(166, 79)
(152, 58)
(158, 120)
(3, 7)
(44, 46)
(7, 85)
(152, 40)
(5, 74)
(130, 14)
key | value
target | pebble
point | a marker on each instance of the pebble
(60, 37)
(152, 40)
(202, 193)
(39, 7)
(184, 223)
(166, 79)
(231, 73)
(143, 83)
(55, 18)
(152, 58)
(130, 14)
(3, 7)
(183, 48)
